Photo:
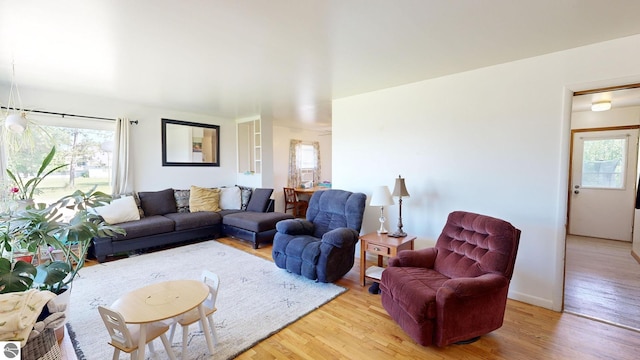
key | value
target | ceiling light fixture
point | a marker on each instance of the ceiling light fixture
(602, 105)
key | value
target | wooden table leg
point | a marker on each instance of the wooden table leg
(363, 262)
(142, 341)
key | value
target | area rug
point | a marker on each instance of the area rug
(256, 298)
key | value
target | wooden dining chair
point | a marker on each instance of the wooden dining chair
(124, 337)
(213, 282)
(291, 202)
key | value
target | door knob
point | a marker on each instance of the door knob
(576, 191)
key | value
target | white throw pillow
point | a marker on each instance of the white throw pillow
(119, 210)
(230, 198)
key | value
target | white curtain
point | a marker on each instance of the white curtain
(121, 176)
(3, 160)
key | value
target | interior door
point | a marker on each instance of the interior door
(603, 187)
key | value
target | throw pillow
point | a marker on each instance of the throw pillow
(182, 200)
(230, 198)
(246, 196)
(135, 197)
(158, 202)
(259, 200)
(119, 210)
(204, 199)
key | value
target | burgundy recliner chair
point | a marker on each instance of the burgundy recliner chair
(456, 291)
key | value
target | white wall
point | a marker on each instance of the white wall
(281, 139)
(493, 141)
(149, 174)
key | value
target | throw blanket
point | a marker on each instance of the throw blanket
(19, 312)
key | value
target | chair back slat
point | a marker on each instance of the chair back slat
(213, 282)
(117, 328)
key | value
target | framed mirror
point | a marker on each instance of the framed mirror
(190, 144)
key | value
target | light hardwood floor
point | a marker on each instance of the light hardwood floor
(356, 326)
(602, 281)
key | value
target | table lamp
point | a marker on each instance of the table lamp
(400, 190)
(381, 197)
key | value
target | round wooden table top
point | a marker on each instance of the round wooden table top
(160, 301)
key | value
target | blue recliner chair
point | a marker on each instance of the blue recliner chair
(322, 247)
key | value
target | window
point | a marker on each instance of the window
(604, 163)
(87, 150)
(304, 163)
(307, 162)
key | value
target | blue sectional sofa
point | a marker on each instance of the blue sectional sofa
(165, 219)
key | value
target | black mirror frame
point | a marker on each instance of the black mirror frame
(187, 123)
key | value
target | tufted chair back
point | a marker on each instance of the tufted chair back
(332, 209)
(471, 245)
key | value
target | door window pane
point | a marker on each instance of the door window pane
(603, 163)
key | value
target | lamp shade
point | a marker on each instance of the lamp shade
(400, 189)
(381, 196)
(16, 122)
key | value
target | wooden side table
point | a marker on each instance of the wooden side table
(383, 246)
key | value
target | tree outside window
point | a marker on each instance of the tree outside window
(82, 149)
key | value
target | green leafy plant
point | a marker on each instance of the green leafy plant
(27, 189)
(44, 227)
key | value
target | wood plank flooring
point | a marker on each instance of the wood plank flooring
(602, 281)
(356, 326)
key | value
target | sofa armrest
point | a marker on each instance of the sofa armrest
(424, 258)
(295, 227)
(340, 236)
(473, 287)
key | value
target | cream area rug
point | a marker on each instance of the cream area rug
(255, 299)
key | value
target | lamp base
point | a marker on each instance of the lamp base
(398, 234)
(382, 219)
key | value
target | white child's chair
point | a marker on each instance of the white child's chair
(124, 337)
(213, 282)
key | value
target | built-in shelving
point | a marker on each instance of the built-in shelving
(250, 147)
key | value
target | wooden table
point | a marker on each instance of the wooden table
(163, 301)
(310, 191)
(383, 246)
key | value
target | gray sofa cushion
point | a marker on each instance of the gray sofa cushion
(255, 221)
(146, 226)
(259, 200)
(185, 221)
(158, 202)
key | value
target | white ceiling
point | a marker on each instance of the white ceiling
(284, 59)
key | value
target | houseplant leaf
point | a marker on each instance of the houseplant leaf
(51, 275)
(15, 277)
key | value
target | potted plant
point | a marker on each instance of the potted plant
(44, 227)
(26, 190)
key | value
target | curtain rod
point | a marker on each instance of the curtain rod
(71, 115)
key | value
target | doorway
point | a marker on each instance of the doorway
(598, 262)
(603, 174)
